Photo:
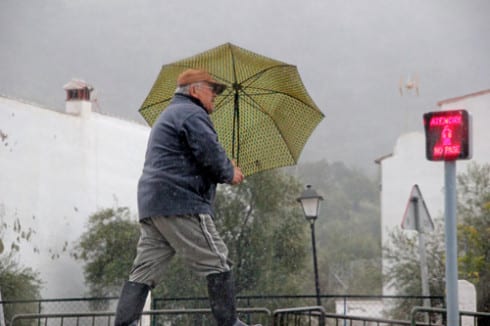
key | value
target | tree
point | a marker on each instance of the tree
(264, 229)
(16, 282)
(267, 237)
(474, 230)
(259, 220)
(108, 248)
(348, 228)
(473, 244)
(262, 226)
(403, 267)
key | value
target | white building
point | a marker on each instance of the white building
(407, 165)
(57, 168)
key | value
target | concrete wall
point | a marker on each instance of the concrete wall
(56, 170)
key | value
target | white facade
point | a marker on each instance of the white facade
(56, 170)
(408, 166)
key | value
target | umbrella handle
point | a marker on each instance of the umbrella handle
(236, 130)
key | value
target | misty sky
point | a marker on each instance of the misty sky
(351, 55)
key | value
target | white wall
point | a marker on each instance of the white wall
(408, 166)
(56, 170)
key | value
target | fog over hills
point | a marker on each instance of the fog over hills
(350, 54)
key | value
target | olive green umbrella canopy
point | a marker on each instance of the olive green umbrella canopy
(263, 118)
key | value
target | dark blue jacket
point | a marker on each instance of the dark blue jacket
(184, 162)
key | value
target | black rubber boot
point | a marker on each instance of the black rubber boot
(131, 303)
(221, 290)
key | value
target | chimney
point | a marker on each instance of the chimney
(78, 97)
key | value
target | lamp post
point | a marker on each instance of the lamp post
(310, 201)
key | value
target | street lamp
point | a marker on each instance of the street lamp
(310, 201)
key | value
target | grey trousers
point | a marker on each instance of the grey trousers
(192, 237)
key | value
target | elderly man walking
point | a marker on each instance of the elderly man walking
(184, 162)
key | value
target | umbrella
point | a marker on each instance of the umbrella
(263, 118)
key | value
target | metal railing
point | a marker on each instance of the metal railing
(76, 318)
(298, 316)
(314, 315)
(100, 304)
(346, 320)
(333, 303)
(173, 317)
(437, 316)
(281, 301)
